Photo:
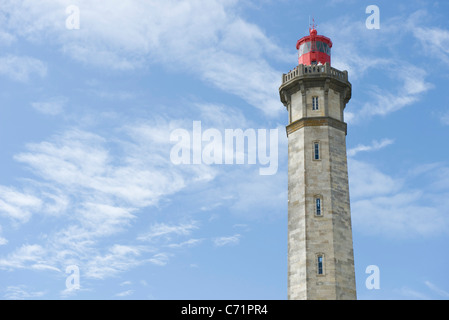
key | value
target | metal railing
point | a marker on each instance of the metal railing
(325, 69)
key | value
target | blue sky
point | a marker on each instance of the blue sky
(86, 116)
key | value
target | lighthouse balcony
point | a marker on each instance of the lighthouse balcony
(324, 70)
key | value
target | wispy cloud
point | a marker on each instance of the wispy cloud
(442, 293)
(104, 220)
(6, 38)
(51, 107)
(21, 68)
(166, 230)
(375, 145)
(445, 119)
(18, 205)
(387, 205)
(78, 161)
(435, 292)
(218, 45)
(22, 292)
(187, 243)
(160, 259)
(124, 293)
(93, 194)
(93, 186)
(412, 294)
(434, 39)
(26, 256)
(409, 81)
(226, 241)
(412, 86)
(117, 259)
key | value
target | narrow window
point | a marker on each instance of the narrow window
(316, 151)
(314, 103)
(318, 206)
(320, 264)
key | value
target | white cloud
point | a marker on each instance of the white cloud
(187, 243)
(161, 229)
(412, 294)
(124, 293)
(44, 267)
(435, 40)
(247, 194)
(3, 241)
(361, 45)
(117, 259)
(17, 205)
(6, 38)
(375, 145)
(79, 161)
(160, 259)
(348, 35)
(445, 119)
(71, 159)
(55, 202)
(143, 283)
(384, 102)
(103, 220)
(93, 186)
(21, 292)
(365, 180)
(437, 290)
(21, 68)
(91, 194)
(412, 85)
(399, 215)
(225, 241)
(25, 256)
(382, 204)
(51, 107)
(207, 38)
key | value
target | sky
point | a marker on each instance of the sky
(110, 111)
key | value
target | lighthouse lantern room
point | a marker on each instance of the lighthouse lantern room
(314, 49)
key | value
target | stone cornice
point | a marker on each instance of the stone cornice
(316, 121)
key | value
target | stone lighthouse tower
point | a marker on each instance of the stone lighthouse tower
(320, 251)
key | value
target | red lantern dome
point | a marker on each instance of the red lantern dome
(314, 49)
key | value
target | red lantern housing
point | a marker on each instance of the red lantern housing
(314, 49)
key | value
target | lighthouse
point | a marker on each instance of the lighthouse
(320, 246)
